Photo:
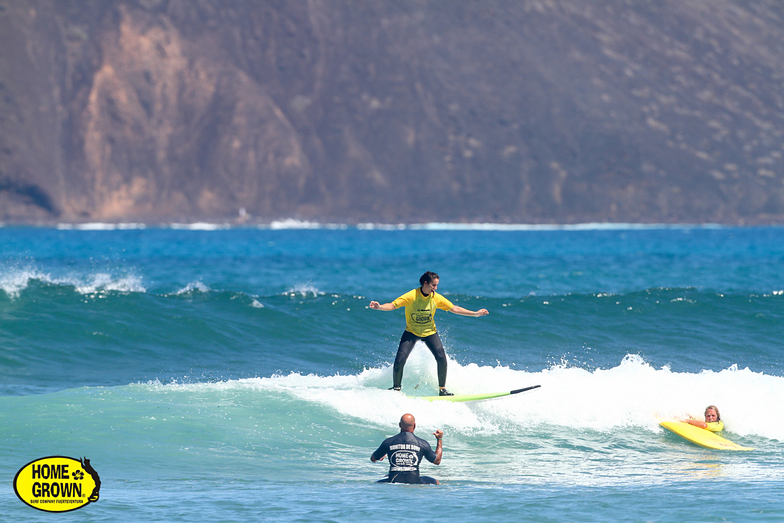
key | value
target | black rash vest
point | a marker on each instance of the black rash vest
(405, 452)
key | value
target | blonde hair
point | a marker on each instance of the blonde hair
(714, 407)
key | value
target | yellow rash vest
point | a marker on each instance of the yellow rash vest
(420, 310)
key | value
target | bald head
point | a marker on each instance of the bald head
(407, 423)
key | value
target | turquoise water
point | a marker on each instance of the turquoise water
(237, 374)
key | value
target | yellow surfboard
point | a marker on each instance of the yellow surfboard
(702, 437)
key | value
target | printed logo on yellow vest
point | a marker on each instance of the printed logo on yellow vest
(57, 484)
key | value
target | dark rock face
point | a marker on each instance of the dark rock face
(408, 111)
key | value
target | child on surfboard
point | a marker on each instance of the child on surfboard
(712, 421)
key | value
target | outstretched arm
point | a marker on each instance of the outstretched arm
(439, 434)
(697, 423)
(384, 307)
(457, 309)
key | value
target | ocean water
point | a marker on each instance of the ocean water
(237, 374)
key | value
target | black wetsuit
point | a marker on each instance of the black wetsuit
(405, 452)
(407, 342)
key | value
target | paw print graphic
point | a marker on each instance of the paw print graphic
(77, 475)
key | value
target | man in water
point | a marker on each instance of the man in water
(421, 305)
(405, 454)
(712, 421)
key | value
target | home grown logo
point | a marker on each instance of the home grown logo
(57, 484)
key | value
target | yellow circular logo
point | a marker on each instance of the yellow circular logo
(57, 484)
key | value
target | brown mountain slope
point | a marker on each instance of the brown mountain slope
(407, 111)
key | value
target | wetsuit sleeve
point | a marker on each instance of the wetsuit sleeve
(427, 451)
(381, 451)
(716, 426)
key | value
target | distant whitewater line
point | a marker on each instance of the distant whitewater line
(15, 281)
(431, 226)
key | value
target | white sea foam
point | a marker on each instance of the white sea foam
(305, 289)
(200, 226)
(104, 282)
(442, 226)
(295, 224)
(13, 282)
(99, 226)
(488, 226)
(303, 224)
(382, 226)
(193, 286)
(632, 395)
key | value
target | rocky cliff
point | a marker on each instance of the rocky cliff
(532, 111)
